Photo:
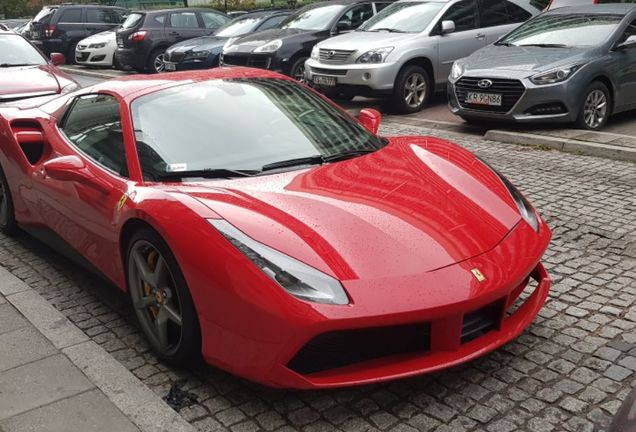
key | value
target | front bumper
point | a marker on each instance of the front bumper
(272, 348)
(555, 103)
(259, 61)
(184, 64)
(94, 57)
(379, 77)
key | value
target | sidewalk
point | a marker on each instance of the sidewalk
(53, 378)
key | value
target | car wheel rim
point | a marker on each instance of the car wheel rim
(4, 206)
(595, 109)
(154, 296)
(414, 90)
(159, 65)
(299, 73)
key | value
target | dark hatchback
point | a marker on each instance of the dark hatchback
(286, 48)
(145, 35)
(204, 52)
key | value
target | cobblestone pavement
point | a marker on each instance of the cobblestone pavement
(568, 372)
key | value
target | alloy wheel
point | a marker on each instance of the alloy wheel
(415, 90)
(4, 206)
(299, 73)
(158, 64)
(154, 296)
(595, 109)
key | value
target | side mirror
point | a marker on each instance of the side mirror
(343, 26)
(630, 43)
(58, 59)
(73, 169)
(370, 119)
(448, 26)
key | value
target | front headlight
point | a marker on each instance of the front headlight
(97, 45)
(555, 75)
(269, 47)
(298, 279)
(315, 52)
(378, 55)
(194, 55)
(457, 70)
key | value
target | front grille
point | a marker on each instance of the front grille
(342, 348)
(481, 321)
(335, 72)
(334, 56)
(82, 56)
(235, 60)
(175, 56)
(509, 89)
(258, 62)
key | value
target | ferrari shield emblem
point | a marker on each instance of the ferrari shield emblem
(478, 275)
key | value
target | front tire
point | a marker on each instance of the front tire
(412, 90)
(297, 70)
(596, 107)
(8, 224)
(155, 62)
(162, 300)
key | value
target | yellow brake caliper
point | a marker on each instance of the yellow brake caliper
(152, 262)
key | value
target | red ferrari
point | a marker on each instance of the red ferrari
(257, 224)
(26, 73)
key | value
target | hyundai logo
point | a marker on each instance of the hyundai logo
(331, 53)
(485, 83)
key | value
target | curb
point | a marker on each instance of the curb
(607, 151)
(133, 398)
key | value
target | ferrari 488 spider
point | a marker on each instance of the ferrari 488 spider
(255, 223)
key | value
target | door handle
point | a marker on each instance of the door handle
(174, 33)
(480, 36)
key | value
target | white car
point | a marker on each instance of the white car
(97, 50)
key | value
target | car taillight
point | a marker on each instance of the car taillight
(49, 30)
(137, 36)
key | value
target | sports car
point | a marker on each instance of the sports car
(294, 246)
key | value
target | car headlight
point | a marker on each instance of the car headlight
(315, 52)
(97, 45)
(298, 279)
(269, 47)
(555, 75)
(69, 88)
(457, 70)
(194, 55)
(375, 56)
(525, 209)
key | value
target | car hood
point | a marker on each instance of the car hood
(365, 41)
(28, 81)
(249, 42)
(204, 43)
(417, 205)
(526, 60)
(103, 37)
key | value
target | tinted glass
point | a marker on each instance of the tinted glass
(629, 33)
(202, 125)
(463, 14)
(102, 16)
(319, 18)
(213, 20)
(272, 22)
(132, 20)
(406, 17)
(517, 13)
(71, 16)
(14, 50)
(184, 20)
(571, 30)
(93, 124)
(44, 15)
(355, 16)
(501, 12)
(380, 6)
(238, 27)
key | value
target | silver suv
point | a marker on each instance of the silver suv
(406, 51)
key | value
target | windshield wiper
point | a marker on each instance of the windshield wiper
(506, 44)
(545, 45)
(309, 160)
(207, 173)
(8, 65)
(386, 29)
(350, 154)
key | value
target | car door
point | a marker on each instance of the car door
(82, 212)
(499, 17)
(625, 70)
(466, 39)
(182, 25)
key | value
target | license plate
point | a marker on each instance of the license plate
(170, 66)
(324, 80)
(483, 99)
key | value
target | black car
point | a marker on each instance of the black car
(204, 52)
(286, 48)
(60, 28)
(145, 35)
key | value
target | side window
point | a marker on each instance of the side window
(494, 13)
(102, 16)
(73, 15)
(272, 22)
(184, 20)
(629, 34)
(357, 15)
(380, 6)
(463, 14)
(93, 125)
(213, 20)
(517, 13)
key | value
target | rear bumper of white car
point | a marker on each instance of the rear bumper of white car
(356, 78)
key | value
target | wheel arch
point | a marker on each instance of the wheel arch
(423, 62)
(294, 58)
(610, 86)
(128, 229)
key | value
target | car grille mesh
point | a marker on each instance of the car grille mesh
(481, 321)
(322, 71)
(334, 56)
(509, 89)
(249, 61)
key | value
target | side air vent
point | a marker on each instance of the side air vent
(30, 137)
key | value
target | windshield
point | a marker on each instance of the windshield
(407, 17)
(313, 19)
(202, 126)
(44, 14)
(239, 26)
(571, 30)
(132, 20)
(15, 51)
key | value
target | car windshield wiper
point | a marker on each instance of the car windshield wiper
(206, 173)
(506, 44)
(350, 154)
(8, 65)
(309, 160)
(545, 45)
(386, 29)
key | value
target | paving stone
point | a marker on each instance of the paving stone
(15, 352)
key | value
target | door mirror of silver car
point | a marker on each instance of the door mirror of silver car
(370, 119)
(448, 26)
(630, 43)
